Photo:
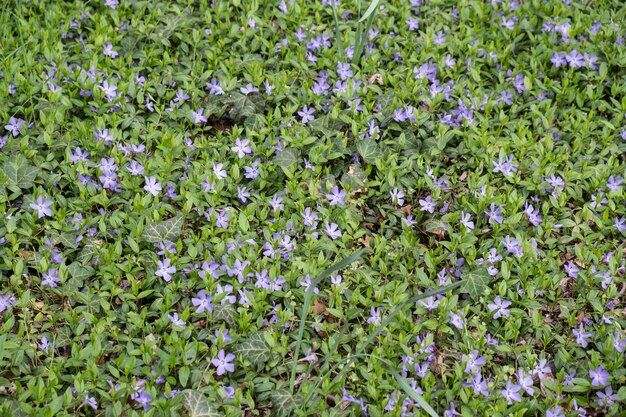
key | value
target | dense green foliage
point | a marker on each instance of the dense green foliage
(177, 178)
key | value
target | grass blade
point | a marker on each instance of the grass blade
(307, 304)
(359, 352)
(370, 10)
(338, 41)
(408, 390)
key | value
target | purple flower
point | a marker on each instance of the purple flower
(6, 301)
(511, 392)
(176, 321)
(525, 382)
(332, 231)
(427, 204)
(479, 385)
(165, 269)
(473, 362)
(618, 343)
(229, 392)
(495, 214)
(375, 314)
(456, 320)
(219, 171)
(42, 206)
(14, 126)
(500, 307)
(307, 114)
(90, 401)
(397, 197)
(555, 412)
(223, 362)
(203, 302)
(110, 90)
(599, 376)
(51, 278)
(581, 335)
(45, 344)
(614, 183)
(152, 186)
(337, 197)
(142, 398)
(512, 246)
(343, 71)
(606, 398)
(214, 87)
(542, 369)
(108, 50)
(466, 220)
(249, 89)
(505, 166)
(198, 116)
(242, 147)
(413, 24)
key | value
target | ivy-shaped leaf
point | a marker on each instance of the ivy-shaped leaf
(90, 254)
(369, 150)
(245, 105)
(434, 226)
(20, 174)
(165, 231)
(283, 403)
(476, 282)
(198, 405)
(79, 272)
(226, 313)
(67, 239)
(286, 160)
(254, 349)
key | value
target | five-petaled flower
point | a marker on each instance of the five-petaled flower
(165, 270)
(223, 362)
(42, 206)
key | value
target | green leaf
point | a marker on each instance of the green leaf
(408, 390)
(621, 394)
(369, 150)
(434, 226)
(80, 272)
(198, 405)
(245, 106)
(183, 375)
(283, 403)
(254, 349)
(166, 231)
(369, 10)
(225, 313)
(476, 282)
(287, 159)
(20, 174)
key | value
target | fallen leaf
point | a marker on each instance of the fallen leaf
(407, 209)
(318, 307)
(366, 240)
(376, 78)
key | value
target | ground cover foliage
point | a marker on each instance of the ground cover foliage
(312, 208)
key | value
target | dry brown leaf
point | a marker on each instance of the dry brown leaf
(318, 307)
(376, 78)
(366, 241)
(407, 209)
